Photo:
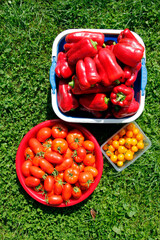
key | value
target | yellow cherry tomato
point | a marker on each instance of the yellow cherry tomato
(128, 155)
(134, 148)
(113, 158)
(131, 126)
(116, 152)
(139, 136)
(109, 153)
(135, 131)
(122, 141)
(110, 142)
(122, 132)
(111, 148)
(129, 134)
(121, 149)
(140, 145)
(128, 142)
(105, 147)
(119, 163)
(134, 141)
(116, 137)
(115, 144)
(120, 157)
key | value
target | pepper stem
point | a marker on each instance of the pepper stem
(94, 44)
(120, 97)
(71, 83)
(106, 100)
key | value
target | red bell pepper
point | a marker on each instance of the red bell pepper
(128, 51)
(63, 69)
(94, 102)
(122, 95)
(87, 73)
(126, 33)
(96, 88)
(84, 48)
(131, 74)
(121, 112)
(77, 36)
(68, 46)
(66, 99)
(110, 65)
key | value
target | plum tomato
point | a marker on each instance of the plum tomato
(47, 144)
(55, 199)
(67, 192)
(49, 183)
(35, 145)
(37, 172)
(25, 168)
(68, 153)
(43, 134)
(46, 166)
(59, 145)
(32, 181)
(59, 130)
(75, 139)
(53, 157)
(71, 175)
(67, 163)
(29, 155)
(58, 186)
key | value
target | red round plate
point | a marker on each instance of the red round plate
(20, 159)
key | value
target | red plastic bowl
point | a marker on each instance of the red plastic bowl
(20, 159)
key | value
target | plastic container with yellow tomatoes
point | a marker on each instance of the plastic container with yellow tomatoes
(124, 147)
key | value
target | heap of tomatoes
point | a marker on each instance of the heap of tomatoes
(60, 163)
(123, 145)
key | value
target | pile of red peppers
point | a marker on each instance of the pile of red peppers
(98, 76)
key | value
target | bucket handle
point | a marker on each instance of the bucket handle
(52, 75)
(143, 77)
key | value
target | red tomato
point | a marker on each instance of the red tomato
(91, 169)
(71, 175)
(32, 181)
(25, 168)
(29, 155)
(67, 192)
(68, 153)
(48, 194)
(53, 157)
(85, 179)
(43, 134)
(67, 163)
(76, 192)
(47, 145)
(75, 139)
(49, 183)
(79, 167)
(37, 172)
(79, 154)
(59, 176)
(46, 166)
(55, 199)
(59, 145)
(89, 159)
(35, 145)
(59, 130)
(36, 160)
(58, 186)
(88, 145)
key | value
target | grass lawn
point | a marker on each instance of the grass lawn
(127, 203)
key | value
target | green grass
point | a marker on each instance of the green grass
(127, 203)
